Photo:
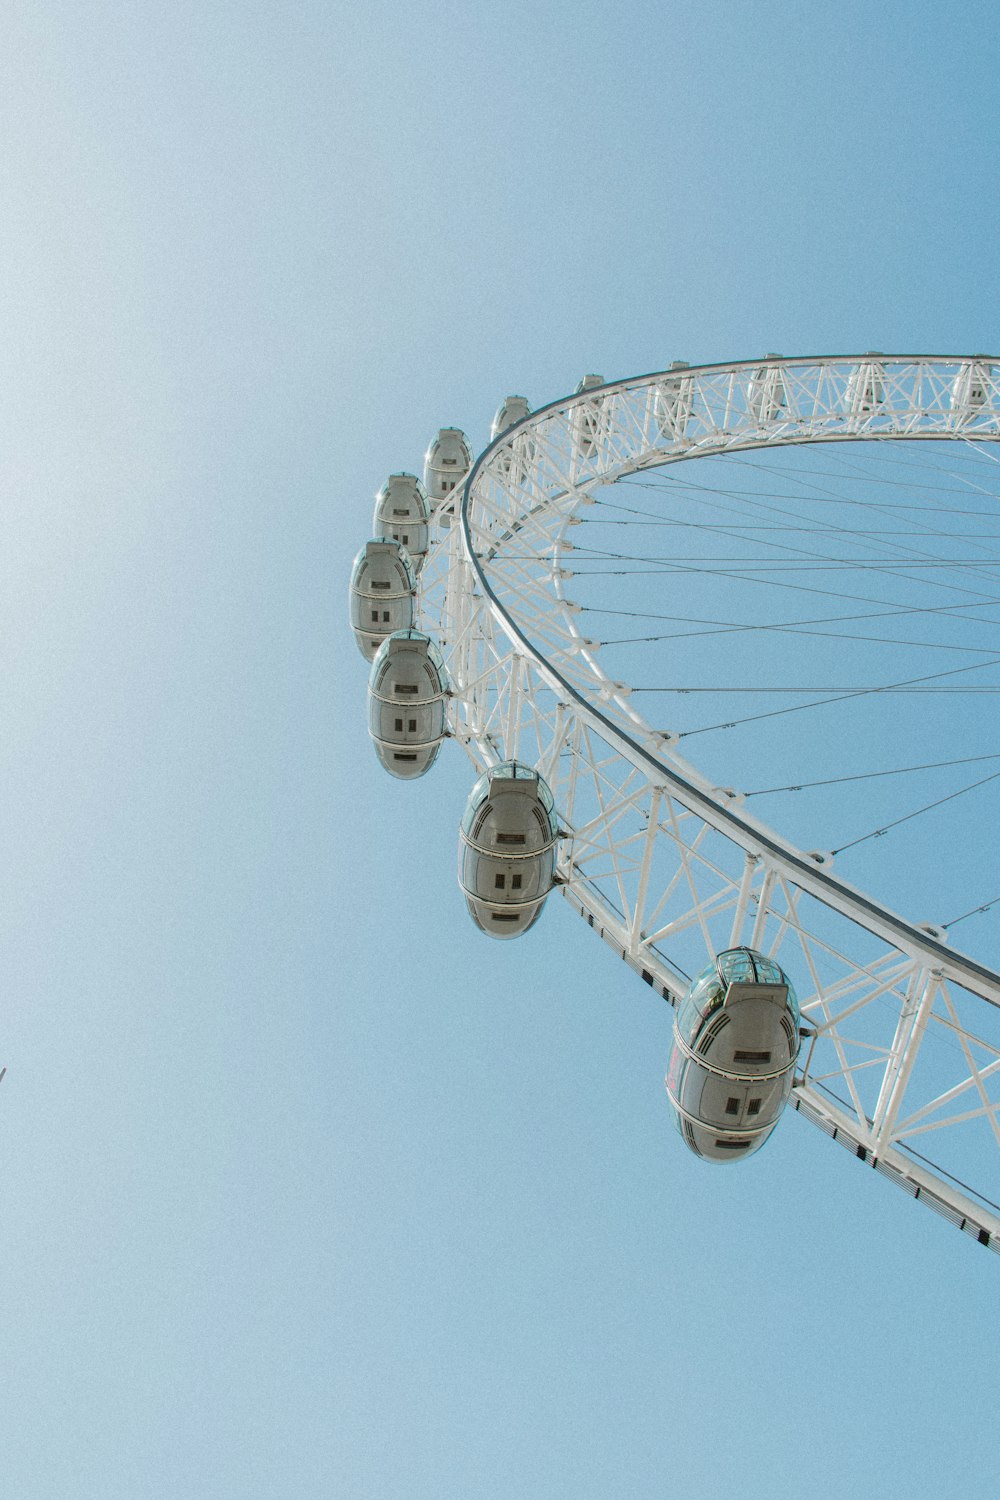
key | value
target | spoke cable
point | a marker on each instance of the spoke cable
(877, 833)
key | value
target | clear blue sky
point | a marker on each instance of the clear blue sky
(307, 1189)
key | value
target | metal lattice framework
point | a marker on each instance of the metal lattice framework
(901, 1062)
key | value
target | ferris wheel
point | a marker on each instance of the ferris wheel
(790, 984)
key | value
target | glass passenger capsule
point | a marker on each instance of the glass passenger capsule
(970, 389)
(586, 419)
(511, 409)
(672, 402)
(402, 513)
(446, 463)
(507, 849)
(515, 456)
(406, 703)
(866, 387)
(736, 1039)
(767, 395)
(383, 589)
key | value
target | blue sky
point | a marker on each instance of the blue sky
(308, 1189)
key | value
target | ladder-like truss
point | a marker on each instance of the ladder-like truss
(901, 1058)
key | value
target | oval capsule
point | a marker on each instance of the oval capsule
(767, 394)
(971, 387)
(673, 400)
(511, 409)
(514, 458)
(406, 703)
(736, 1039)
(446, 463)
(403, 513)
(866, 387)
(507, 849)
(586, 419)
(383, 593)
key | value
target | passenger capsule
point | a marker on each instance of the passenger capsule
(736, 1038)
(507, 849)
(866, 387)
(586, 418)
(512, 409)
(446, 463)
(673, 400)
(383, 591)
(767, 395)
(514, 458)
(971, 387)
(406, 703)
(402, 513)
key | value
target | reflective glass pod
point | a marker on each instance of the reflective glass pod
(507, 849)
(406, 703)
(970, 388)
(766, 392)
(736, 1039)
(402, 513)
(383, 590)
(514, 458)
(586, 419)
(446, 463)
(673, 401)
(866, 387)
(512, 409)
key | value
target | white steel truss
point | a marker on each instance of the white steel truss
(901, 1051)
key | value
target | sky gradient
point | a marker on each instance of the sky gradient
(309, 1190)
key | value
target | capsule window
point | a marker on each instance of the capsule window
(510, 838)
(385, 617)
(377, 585)
(499, 882)
(400, 755)
(503, 916)
(399, 726)
(733, 1106)
(751, 1057)
(732, 1145)
(515, 882)
(404, 513)
(411, 725)
(409, 689)
(753, 1108)
(374, 616)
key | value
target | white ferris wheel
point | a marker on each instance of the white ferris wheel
(480, 603)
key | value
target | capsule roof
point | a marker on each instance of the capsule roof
(748, 966)
(401, 496)
(383, 557)
(416, 639)
(497, 779)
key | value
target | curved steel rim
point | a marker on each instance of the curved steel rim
(752, 837)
